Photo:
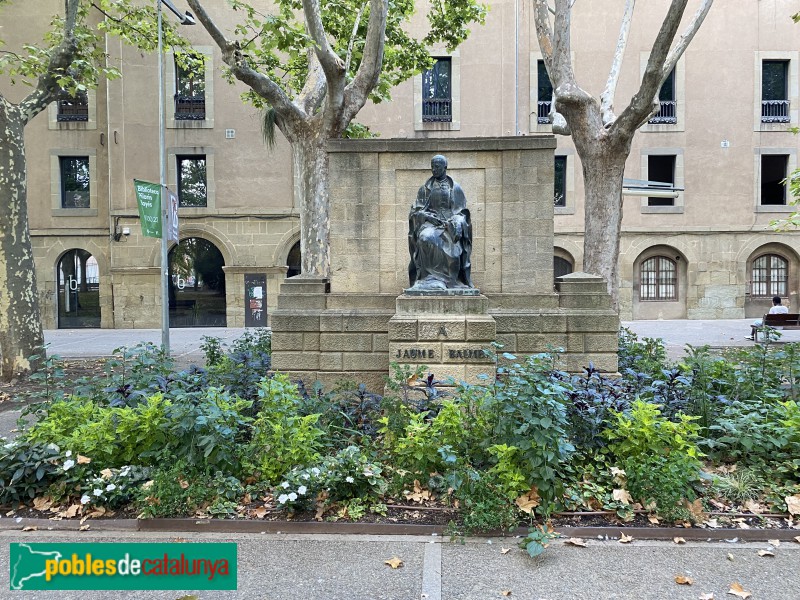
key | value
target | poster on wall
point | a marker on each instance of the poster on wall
(255, 300)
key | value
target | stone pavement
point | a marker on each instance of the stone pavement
(339, 567)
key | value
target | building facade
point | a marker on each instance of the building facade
(722, 139)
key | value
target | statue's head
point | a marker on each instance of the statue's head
(438, 166)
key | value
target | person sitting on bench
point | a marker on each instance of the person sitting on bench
(777, 309)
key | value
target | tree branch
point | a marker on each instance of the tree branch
(313, 93)
(233, 57)
(353, 38)
(607, 97)
(331, 64)
(369, 70)
(686, 38)
(47, 86)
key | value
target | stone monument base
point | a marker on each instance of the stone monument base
(451, 334)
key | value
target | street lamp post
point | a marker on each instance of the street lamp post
(185, 19)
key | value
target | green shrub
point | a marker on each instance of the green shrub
(485, 507)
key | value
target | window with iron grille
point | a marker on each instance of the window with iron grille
(74, 172)
(773, 173)
(192, 186)
(560, 181)
(72, 107)
(770, 276)
(190, 93)
(659, 279)
(667, 105)
(437, 93)
(774, 91)
(544, 94)
(661, 168)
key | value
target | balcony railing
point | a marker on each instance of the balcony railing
(437, 110)
(666, 114)
(543, 112)
(72, 110)
(774, 111)
(190, 108)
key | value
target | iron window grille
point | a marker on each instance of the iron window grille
(75, 184)
(437, 99)
(667, 111)
(72, 108)
(190, 94)
(659, 279)
(544, 94)
(770, 276)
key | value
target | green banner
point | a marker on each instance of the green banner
(125, 566)
(148, 197)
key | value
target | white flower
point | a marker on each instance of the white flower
(68, 464)
(85, 499)
(305, 476)
(349, 479)
(285, 485)
(315, 471)
(110, 487)
(292, 496)
(283, 498)
(302, 490)
(97, 492)
(124, 472)
(68, 453)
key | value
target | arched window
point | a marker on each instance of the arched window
(561, 266)
(293, 261)
(659, 279)
(769, 276)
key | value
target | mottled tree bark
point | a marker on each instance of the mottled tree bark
(311, 189)
(20, 324)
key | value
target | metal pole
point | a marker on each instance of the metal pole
(162, 185)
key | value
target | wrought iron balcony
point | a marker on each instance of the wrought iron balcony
(774, 111)
(666, 114)
(543, 112)
(73, 109)
(190, 108)
(437, 110)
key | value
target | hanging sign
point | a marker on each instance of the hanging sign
(148, 197)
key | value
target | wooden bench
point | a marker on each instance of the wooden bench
(778, 321)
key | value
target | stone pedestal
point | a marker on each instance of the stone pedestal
(449, 333)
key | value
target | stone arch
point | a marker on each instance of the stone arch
(756, 305)
(284, 246)
(563, 262)
(197, 283)
(77, 279)
(223, 243)
(655, 308)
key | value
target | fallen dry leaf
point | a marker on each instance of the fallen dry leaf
(793, 504)
(712, 523)
(709, 596)
(765, 553)
(72, 511)
(83, 528)
(183, 483)
(30, 528)
(730, 557)
(679, 540)
(615, 472)
(42, 503)
(505, 593)
(696, 510)
(394, 562)
(260, 512)
(743, 525)
(775, 543)
(107, 473)
(653, 519)
(797, 539)
(419, 494)
(505, 550)
(528, 501)
(683, 580)
(621, 495)
(754, 507)
(576, 542)
(739, 591)
(83, 460)
(624, 539)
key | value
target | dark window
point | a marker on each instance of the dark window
(773, 172)
(192, 189)
(659, 279)
(561, 267)
(544, 93)
(190, 93)
(667, 102)
(437, 95)
(560, 181)
(294, 261)
(770, 275)
(661, 169)
(72, 107)
(74, 181)
(774, 91)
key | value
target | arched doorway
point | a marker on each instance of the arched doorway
(78, 290)
(293, 261)
(196, 285)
